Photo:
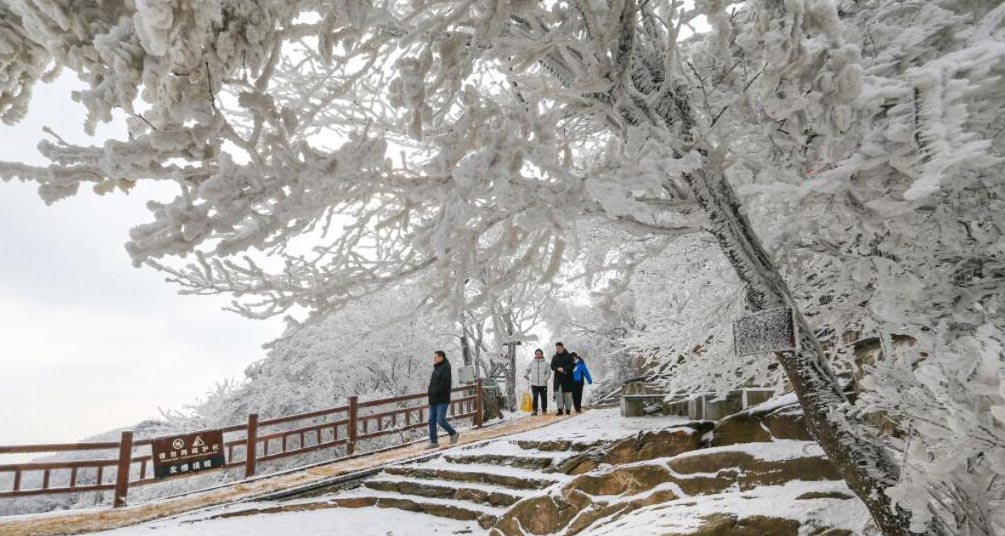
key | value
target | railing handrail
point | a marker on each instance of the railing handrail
(301, 416)
(251, 442)
(57, 447)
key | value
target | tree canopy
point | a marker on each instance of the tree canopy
(845, 157)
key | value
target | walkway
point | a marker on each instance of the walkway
(463, 490)
(96, 519)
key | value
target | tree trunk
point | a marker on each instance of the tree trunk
(860, 457)
(510, 361)
(511, 379)
(465, 350)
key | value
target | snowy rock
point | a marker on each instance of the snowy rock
(765, 422)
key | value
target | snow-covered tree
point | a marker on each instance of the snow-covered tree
(368, 349)
(684, 304)
(598, 338)
(897, 245)
(365, 145)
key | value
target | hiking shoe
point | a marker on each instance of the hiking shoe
(454, 438)
(430, 446)
(533, 413)
(567, 412)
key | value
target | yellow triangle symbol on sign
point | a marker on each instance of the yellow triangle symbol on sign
(198, 442)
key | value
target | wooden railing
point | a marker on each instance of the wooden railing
(245, 444)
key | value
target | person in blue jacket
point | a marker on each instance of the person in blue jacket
(579, 374)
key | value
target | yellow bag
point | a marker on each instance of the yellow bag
(526, 403)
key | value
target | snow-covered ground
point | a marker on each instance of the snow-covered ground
(335, 521)
(597, 425)
(688, 513)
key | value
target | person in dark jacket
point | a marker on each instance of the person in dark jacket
(580, 374)
(440, 384)
(563, 364)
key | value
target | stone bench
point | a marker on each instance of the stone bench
(635, 405)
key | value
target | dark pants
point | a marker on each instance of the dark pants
(438, 415)
(577, 395)
(540, 391)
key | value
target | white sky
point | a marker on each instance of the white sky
(87, 342)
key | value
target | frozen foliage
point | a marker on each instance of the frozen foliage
(364, 145)
(22, 63)
(685, 301)
(904, 283)
(599, 340)
(372, 349)
(910, 308)
(900, 262)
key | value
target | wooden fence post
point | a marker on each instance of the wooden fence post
(251, 447)
(478, 403)
(122, 474)
(353, 425)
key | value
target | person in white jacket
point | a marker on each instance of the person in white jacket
(538, 373)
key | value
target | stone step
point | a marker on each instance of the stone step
(553, 446)
(486, 516)
(523, 462)
(471, 473)
(468, 491)
(536, 449)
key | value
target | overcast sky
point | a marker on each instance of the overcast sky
(87, 342)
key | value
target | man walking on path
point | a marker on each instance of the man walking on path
(562, 364)
(579, 374)
(537, 374)
(439, 399)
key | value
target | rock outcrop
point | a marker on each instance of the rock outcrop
(776, 419)
(647, 445)
(757, 451)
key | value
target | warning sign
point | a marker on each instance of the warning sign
(189, 453)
